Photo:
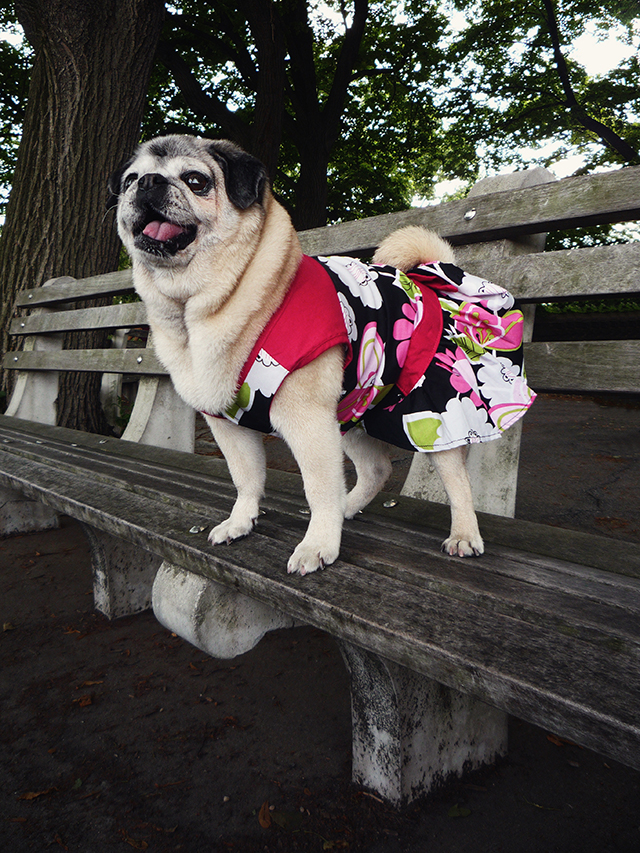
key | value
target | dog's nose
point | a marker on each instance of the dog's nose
(151, 180)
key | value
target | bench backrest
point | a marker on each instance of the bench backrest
(478, 227)
(498, 232)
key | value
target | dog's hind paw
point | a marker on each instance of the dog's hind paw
(455, 547)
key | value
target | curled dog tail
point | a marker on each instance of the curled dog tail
(413, 245)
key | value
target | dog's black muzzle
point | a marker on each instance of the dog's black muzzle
(152, 194)
(152, 188)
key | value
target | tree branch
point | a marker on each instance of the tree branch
(344, 70)
(203, 104)
(235, 50)
(608, 136)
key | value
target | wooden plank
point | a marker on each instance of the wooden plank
(66, 289)
(137, 361)
(586, 549)
(592, 606)
(525, 587)
(104, 317)
(577, 201)
(584, 366)
(592, 272)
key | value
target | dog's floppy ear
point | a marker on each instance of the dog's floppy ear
(114, 185)
(245, 176)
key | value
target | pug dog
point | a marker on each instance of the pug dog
(239, 319)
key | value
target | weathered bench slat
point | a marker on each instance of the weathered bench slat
(165, 469)
(485, 657)
(543, 277)
(142, 361)
(598, 270)
(560, 366)
(103, 317)
(66, 289)
(584, 366)
(579, 201)
(545, 593)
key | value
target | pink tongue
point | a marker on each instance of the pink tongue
(162, 231)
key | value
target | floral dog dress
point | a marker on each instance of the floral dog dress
(433, 357)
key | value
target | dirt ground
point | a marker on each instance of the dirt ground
(117, 735)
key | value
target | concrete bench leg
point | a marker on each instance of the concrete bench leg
(122, 574)
(220, 621)
(410, 733)
(19, 514)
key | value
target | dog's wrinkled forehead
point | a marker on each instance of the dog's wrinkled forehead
(244, 176)
(170, 154)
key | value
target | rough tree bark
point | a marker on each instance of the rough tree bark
(87, 94)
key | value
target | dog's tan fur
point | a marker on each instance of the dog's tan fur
(207, 304)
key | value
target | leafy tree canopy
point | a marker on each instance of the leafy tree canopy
(357, 106)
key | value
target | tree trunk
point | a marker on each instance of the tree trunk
(317, 126)
(266, 130)
(87, 94)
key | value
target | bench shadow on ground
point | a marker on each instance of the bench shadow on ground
(120, 734)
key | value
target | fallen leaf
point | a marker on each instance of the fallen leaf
(289, 821)
(88, 684)
(264, 817)
(7, 626)
(458, 811)
(83, 701)
(372, 796)
(168, 784)
(33, 795)
(133, 842)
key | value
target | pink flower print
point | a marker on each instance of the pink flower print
(354, 404)
(489, 329)
(463, 378)
(402, 331)
(369, 372)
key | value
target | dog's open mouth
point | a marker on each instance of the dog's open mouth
(159, 236)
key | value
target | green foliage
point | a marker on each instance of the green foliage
(15, 64)
(508, 85)
(599, 306)
(438, 90)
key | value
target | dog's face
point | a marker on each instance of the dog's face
(181, 195)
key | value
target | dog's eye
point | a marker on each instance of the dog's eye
(197, 182)
(128, 181)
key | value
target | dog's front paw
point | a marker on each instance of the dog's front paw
(456, 546)
(231, 529)
(309, 557)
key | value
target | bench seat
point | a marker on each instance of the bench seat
(530, 628)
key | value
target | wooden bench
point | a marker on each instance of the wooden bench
(544, 626)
